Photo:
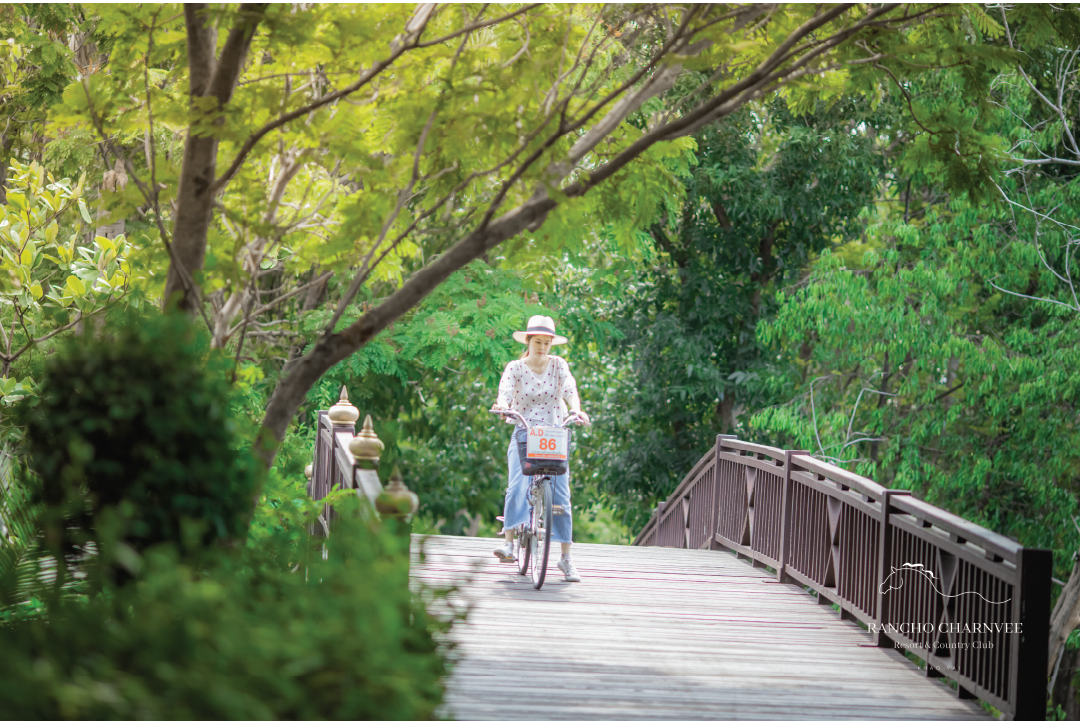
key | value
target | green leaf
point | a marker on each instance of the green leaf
(85, 211)
(18, 199)
(76, 286)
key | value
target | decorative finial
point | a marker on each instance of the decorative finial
(308, 470)
(366, 446)
(396, 500)
(343, 413)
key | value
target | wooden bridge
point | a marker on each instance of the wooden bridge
(769, 584)
(660, 634)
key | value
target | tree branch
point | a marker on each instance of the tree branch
(231, 61)
(201, 44)
(415, 28)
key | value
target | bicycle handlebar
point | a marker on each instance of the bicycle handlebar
(513, 414)
(572, 418)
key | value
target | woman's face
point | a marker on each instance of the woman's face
(539, 345)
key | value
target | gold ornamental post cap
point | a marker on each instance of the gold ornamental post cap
(343, 413)
(366, 446)
(396, 500)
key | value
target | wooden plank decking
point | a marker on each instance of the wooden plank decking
(662, 634)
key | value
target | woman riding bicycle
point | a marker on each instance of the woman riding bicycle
(538, 386)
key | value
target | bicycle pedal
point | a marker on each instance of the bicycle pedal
(558, 510)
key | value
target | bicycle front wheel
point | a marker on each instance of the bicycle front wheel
(541, 539)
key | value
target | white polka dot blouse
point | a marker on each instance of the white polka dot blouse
(539, 398)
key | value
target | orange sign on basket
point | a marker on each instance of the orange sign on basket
(547, 443)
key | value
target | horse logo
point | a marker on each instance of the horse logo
(889, 584)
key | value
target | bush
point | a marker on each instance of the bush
(134, 447)
(337, 639)
(138, 422)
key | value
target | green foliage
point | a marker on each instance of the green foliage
(681, 363)
(35, 63)
(19, 536)
(49, 278)
(382, 181)
(947, 359)
(136, 421)
(276, 628)
(466, 322)
(35, 67)
(428, 382)
(237, 638)
(460, 130)
(285, 511)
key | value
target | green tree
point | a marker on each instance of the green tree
(942, 355)
(454, 123)
(768, 191)
(36, 65)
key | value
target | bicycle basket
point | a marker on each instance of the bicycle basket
(539, 466)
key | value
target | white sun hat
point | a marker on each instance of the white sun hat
(539, 325)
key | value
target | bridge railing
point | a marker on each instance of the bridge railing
(972, 604)
(340, 458)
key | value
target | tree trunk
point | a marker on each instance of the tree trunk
(315, 293)
(1066, 616)
(726, 411)
(761, 277)
(882, 398)
(209, 78)
(1064, 694)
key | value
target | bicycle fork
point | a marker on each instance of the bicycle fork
(556, 509)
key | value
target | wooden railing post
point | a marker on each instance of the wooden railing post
(343, 459)
(366, 449)
(1031, 607)
(884, 561)
(321, 471)
(785, 518)
(397, 504)
(343, 416)
(714, 501)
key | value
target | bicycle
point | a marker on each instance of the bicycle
(544, 454)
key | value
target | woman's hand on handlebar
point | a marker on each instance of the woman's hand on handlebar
(583, 416)
(509, 415)
(497, 406)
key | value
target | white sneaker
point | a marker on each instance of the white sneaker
(505, 552)
(567, 567)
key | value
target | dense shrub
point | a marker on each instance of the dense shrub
(336, 639)
(137, 421)
(134, 447)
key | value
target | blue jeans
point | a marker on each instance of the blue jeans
(516, 507)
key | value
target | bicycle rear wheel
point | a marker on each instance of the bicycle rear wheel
(541, 539)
